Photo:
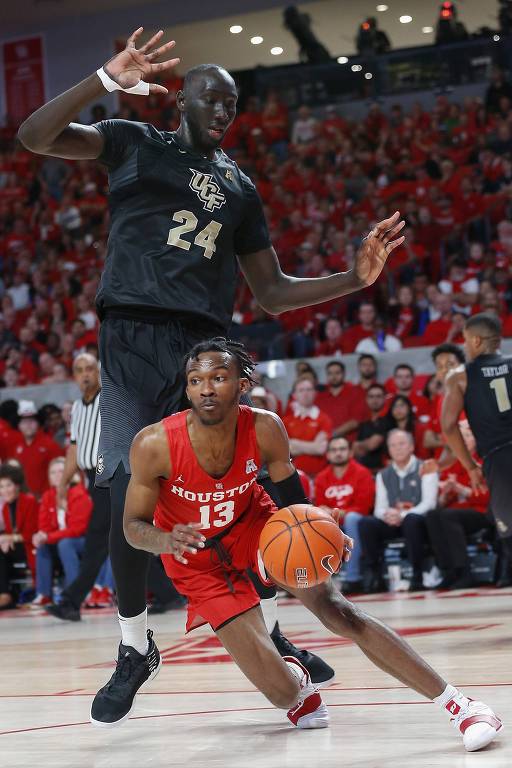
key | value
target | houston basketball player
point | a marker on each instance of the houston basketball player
(193, 498)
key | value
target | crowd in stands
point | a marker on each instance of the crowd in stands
(324, 180)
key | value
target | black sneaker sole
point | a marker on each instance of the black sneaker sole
(116, 723)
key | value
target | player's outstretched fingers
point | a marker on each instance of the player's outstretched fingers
(130, 43)
(161, 50)
(387, 224)
(392, 233)
(151, 42)
(391, 246)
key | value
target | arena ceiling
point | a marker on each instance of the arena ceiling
(334, 22)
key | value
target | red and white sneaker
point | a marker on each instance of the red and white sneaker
(477, 723)
(39, 601)
(104, 598)
(310, 711)
(91, 601)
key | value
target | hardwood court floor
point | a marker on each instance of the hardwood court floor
(201, 712)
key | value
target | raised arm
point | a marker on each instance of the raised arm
(50, 130)
(149, 460)
(277, 292)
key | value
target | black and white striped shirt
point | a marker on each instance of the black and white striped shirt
(85, 431)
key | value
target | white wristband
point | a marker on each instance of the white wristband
(141, 89)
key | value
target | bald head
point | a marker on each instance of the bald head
(86, 372)
(207, 73)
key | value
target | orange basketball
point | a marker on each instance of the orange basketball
(301, 546)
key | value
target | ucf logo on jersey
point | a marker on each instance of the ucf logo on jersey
(207, 190)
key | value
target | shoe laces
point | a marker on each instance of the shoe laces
(286, 647)
(122, 671)
(473, 708)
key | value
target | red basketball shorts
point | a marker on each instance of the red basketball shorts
(217, 591)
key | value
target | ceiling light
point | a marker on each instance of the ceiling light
(256, 40)
(276, 50)
(496, 38)
(405, 19)
(427, 30)
(235, 29)
(356, 67)
(382, 8)
(368, 75)
(342, 59)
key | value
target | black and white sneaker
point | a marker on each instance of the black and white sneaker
(319, 671)
(114, 702)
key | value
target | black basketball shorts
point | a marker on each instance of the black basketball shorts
(142, 381)
(498, 474)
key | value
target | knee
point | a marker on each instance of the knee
(65, 547)
(413, 521)
(351, 523)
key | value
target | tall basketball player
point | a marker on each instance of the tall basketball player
(182, 214)
(198, 469)
(483, 389)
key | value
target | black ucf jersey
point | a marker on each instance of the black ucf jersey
(488, 402)
(178, 221)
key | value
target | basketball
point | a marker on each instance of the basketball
(301, 546)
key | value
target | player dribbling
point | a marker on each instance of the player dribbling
(193, 499)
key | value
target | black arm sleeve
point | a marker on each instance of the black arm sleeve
(286, 492)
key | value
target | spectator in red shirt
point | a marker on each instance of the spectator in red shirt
(366, 327)
(308, 429)
(348, 488)
(33, 448)
(403, 384)
(341, 401)
(333, 344)
(460, 512)
(443, 327)
(61, 532)
(18, 522)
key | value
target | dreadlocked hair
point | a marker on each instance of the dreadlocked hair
(237, 350)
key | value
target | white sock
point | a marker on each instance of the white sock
(452, 700)
(134, 631)
(269, 608)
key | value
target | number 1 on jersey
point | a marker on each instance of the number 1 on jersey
(500, 390)
(188, 223)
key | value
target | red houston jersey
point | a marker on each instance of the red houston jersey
(233, 505)
(193, 496)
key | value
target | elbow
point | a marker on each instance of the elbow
(27, 138)
(128, 534)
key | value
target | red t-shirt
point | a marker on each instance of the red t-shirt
(308, 429)
(354, 492)
(35, 459)
(348, 404)
(437, 331)
(353, 335)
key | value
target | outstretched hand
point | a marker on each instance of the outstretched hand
(133, 64)
(376, 247)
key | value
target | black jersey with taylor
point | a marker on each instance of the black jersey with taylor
(488, 401)
(178, 221)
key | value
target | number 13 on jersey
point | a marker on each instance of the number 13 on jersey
(188, 223)
(223, 514)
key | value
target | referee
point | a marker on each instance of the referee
(82, 454)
